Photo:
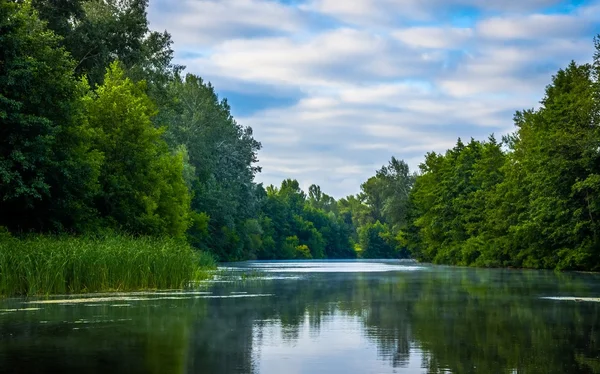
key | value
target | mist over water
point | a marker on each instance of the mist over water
(318, 317)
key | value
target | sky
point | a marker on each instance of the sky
(334, 88)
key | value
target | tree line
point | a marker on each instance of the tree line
(100, 131)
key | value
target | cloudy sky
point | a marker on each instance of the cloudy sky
(334, 88)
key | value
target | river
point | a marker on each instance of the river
(317, 317)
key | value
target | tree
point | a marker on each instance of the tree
(97, 33)
(376, 241)
(142, 185)
(397, 184)
(222, 157)
(47, 173)
(373, 195)
(354, 213)
(449, 199)
(319, 200)
(557, 149)
(336, 235)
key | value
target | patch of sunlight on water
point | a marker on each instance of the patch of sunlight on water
(570, 298)
(277, 278)
(331, 267)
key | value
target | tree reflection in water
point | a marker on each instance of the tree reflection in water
(430, 321)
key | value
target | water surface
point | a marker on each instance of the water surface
(317, 317)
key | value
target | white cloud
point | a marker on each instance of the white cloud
(203, 22)
(434, 37)
(382, 93)
(532, 27)
(343, 138)
(356, 9)
(508, 70)
(326, 60)
(374, 87)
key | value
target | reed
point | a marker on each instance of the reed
(38, 265)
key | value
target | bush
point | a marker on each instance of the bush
(303, 252)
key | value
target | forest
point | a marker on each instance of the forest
(103, 135)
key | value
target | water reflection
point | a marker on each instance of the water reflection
(327, 320)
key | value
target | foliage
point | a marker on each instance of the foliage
(142, 189)
(98, 33)
(376, 242)
(221, 158)
(301, 226)
(47, 174)
(377, 217)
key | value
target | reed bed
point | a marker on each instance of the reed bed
(39, 265)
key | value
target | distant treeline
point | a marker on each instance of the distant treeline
(100, 132)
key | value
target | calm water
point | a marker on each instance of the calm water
(318, 317)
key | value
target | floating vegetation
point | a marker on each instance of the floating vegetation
(98, 300)
(19, 310)
(98, 321)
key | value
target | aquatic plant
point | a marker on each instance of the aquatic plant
(64, 264)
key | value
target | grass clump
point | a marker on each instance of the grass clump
(38, 265)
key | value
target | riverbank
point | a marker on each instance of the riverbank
(42, 265)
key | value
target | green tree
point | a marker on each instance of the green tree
(335, 233)
(319, 200)
(47, 172)
(443, 204)
(222, 163)
(308, 235)
(376, 241)
(142, 184)
(373, 196)
(557, 148)
(97, 33)
(397, 182)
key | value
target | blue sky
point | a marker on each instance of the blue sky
(334, 88)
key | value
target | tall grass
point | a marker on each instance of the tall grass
(56, 265)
